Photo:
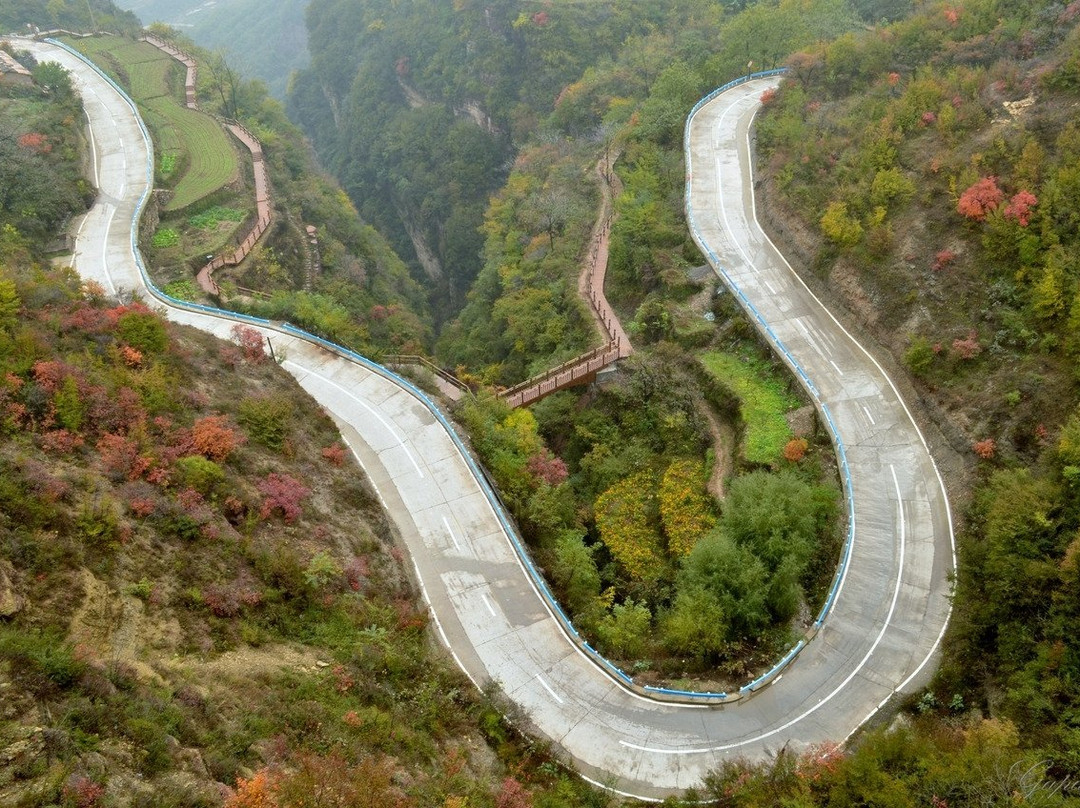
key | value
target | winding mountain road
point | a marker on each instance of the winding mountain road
(891, 607)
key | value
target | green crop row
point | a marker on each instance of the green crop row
(212, 160)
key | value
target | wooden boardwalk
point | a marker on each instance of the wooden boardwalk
(583, 369)
(263, 206)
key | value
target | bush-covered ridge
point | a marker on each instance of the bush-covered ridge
(198, 592)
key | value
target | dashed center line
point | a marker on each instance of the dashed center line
(868, 415)
(450, 530)
(487, 602)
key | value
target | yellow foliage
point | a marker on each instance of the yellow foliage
(685, 509)
(622, 516)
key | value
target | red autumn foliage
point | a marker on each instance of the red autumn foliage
(980, 199)
(141, 508)
(540, 18)
(356, 573)
(49, 374)
(282, 493)
(214, 439)
(968, 348)
(1019, 207)
(928, 119)
(768, 96)
(82, 792)
(132, 357)
(819, 760)
(513, 795)
(985, 449)
(61, 442)
(258, 792)
(547, 468)
(943, 259)
(120, 455)
(35, 141)
(335, 453)
(250, 341)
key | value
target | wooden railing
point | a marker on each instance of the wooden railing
(263, 206)
(412, 359)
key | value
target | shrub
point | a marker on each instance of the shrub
(919, 356)
(267, 419)
(840, 228)
(143, 330)
(198, 473)
(795, 449)
(968, 348)
(985, 449)
(250, 341)
(335, 454)
(282, 493)
(213, 438)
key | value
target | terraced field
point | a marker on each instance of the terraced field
(209, 159)
(204, 155)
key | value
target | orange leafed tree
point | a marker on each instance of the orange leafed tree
(258, 792)
(981, 198)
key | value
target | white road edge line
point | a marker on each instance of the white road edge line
(365, 405)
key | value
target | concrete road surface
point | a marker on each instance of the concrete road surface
(890, 610)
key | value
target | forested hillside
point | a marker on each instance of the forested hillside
(418, 107)
(201, 602)
(920, 172)
(88, 15)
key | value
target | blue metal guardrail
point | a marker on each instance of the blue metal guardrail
(489, 492)
(807, 383)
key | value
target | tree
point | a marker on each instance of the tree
(685, 509)
(778, 515)
(696, 624)
(625, 630)
(842, 229)
(1019, 207)
(735, 580)
(625, 516)
(980, 199)
(574, 571)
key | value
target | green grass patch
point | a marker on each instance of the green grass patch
(182, 290)
(167, 165)
(165, 237)
(211, 217)
(764, 401)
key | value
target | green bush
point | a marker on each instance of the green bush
(143, 330)
(267, 419)
(204, 476)
(42, 662)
